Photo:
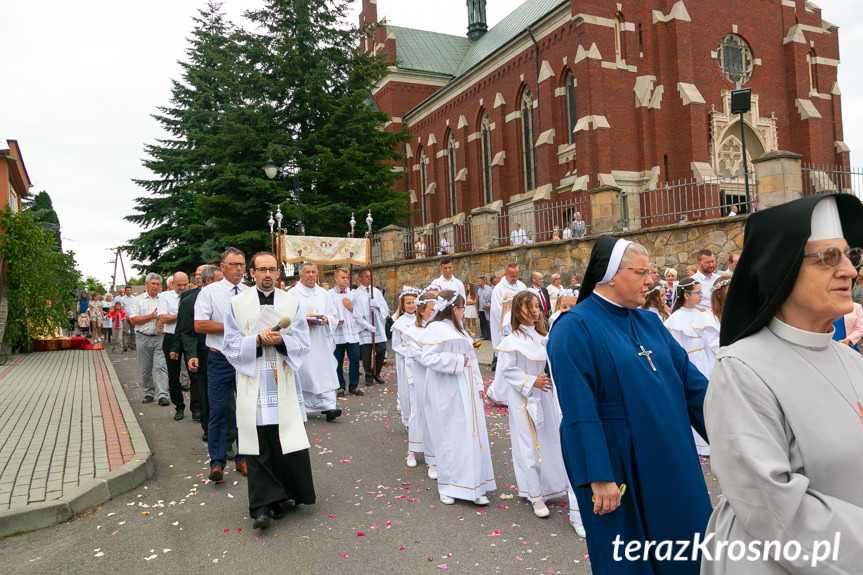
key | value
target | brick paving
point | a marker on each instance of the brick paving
(63, 434)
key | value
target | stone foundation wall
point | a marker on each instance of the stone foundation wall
(669, 246)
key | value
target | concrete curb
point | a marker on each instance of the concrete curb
(95, 491)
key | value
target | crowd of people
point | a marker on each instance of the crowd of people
(605, 379)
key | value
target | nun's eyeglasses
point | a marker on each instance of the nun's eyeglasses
(645, 273)
(832, 256)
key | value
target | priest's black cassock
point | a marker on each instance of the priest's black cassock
(625, 422)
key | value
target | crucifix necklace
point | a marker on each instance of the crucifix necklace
(645, 353)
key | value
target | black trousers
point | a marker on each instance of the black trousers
(198, 387)
(275, 477)
(380, 356)
(484, 326)
(174, 387)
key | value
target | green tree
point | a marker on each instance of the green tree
(40, 280)
(328, 121)
(43, 212)
(298, 82)
(92, 286)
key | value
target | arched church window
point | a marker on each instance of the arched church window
(451, 172)
(618, 37)
(485, 141)
(735, 59)
(571, 118)
(813, 72)
(527, 140)
(423, 185)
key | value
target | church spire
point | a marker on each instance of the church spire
(476, 22)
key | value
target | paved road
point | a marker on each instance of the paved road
(373, 513)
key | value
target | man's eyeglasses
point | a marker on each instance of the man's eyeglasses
(645, 273)
(832, 256)
(267, 270)
(235, 264)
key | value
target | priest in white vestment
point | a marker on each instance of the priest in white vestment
(318, 378)
(270, 416)
(783, 408)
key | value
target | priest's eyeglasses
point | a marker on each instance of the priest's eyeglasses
(832, 256)
(266, 270)
(643, 272)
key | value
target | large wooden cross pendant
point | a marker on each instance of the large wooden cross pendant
(646, 354)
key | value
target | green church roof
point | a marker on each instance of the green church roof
(449, 55)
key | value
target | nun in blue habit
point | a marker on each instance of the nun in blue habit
(629, 394)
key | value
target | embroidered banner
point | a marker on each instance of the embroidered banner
(325, 251)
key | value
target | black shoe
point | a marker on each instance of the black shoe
(340, 393)
(369, 382)
(357, 392)
(380, 380)
(179, 415)
(163, 401)
(262, 521)
(184, 387)
(196, 416)
(204, 437)
(230, 453)
(276, 511)
(148, 399)
(332, 414)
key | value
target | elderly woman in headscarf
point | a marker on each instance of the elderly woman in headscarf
(783, 408)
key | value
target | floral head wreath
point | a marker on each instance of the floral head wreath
(441, 304)
(408, 290)
(656, 289)
(719, 285)
(566, 293)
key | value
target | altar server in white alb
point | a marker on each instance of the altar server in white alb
(317, 376)
(784, 408)
(534, 415)
(686, 325)
(404, 317)
(419, 434)
(269, 405)
(454, 407)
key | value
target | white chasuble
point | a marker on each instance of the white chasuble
(317, 375)
(240, 349)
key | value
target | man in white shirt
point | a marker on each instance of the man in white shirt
(317, 375)
(447, 281)
(345, 336)
(210, 308)
(167, 309)
(128, 330)
(517, 236)
(483, 294)
(372, 311)
(444, 245)
(142, 316)
(706, 275)
(541, 292)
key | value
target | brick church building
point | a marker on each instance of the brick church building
(563, 97)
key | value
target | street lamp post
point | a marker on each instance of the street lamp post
(291, 169)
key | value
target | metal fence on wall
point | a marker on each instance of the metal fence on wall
(688, 201)
(828, 179)
(541, 221)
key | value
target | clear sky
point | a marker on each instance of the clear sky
(81, 80)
